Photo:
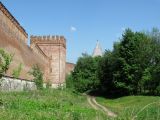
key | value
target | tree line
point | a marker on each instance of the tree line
(131, 68)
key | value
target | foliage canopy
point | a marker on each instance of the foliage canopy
(131, 68)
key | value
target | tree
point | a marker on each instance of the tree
(131, 68)
(104, 73)
(145, 80)
(133, 57)
(38, 76)
(85, 73)
(154, 85)
(5, 60)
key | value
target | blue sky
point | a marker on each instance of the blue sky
(83, 22)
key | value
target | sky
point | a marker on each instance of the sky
(83, 22)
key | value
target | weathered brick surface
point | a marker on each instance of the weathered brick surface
(11, 26)
(49, 52)
(13, 39)
(54, 47)
(69, 67)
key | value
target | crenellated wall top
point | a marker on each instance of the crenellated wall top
(48, 39)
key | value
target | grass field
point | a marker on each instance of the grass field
(134, 107)
(66, 105)
(46, 105)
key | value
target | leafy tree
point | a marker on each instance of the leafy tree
(5, 60)
(85, 73)
(38, 76)
(153, 85)
(122, 77)
(104, 72)
(145, 80)
(130, 58)
(133, 67)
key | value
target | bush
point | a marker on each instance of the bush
(69, 82)
(38, 76)
(5, 60)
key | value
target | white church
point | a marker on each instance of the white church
(97, 50)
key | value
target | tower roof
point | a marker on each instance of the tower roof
(97, 50)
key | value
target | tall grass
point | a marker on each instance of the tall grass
(66, 105)
(46, 105)
(134, 107)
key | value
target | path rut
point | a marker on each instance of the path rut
(92, 101)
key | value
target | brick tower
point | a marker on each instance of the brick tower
(54, 47)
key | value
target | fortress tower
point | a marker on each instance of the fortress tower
(54, 47)
(48, 52)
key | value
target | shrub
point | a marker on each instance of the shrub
(5, 60)
(69, 82)
(38, 76)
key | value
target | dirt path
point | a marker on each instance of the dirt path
(92, 101)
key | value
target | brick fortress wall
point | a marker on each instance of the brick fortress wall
(54, 47)
(11, 26)
(69, 68)
(49, 52)
(13, 39)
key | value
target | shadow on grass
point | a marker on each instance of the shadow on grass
(98, 93)
(114, 94)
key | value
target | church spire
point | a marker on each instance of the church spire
(98, 50)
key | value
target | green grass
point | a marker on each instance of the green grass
(46, 105)
(137, 107)
(66, 105)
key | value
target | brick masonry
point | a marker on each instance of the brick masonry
(54, 47)
(49, 52)
(69, 67)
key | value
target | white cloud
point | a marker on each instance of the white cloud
(73, 29)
